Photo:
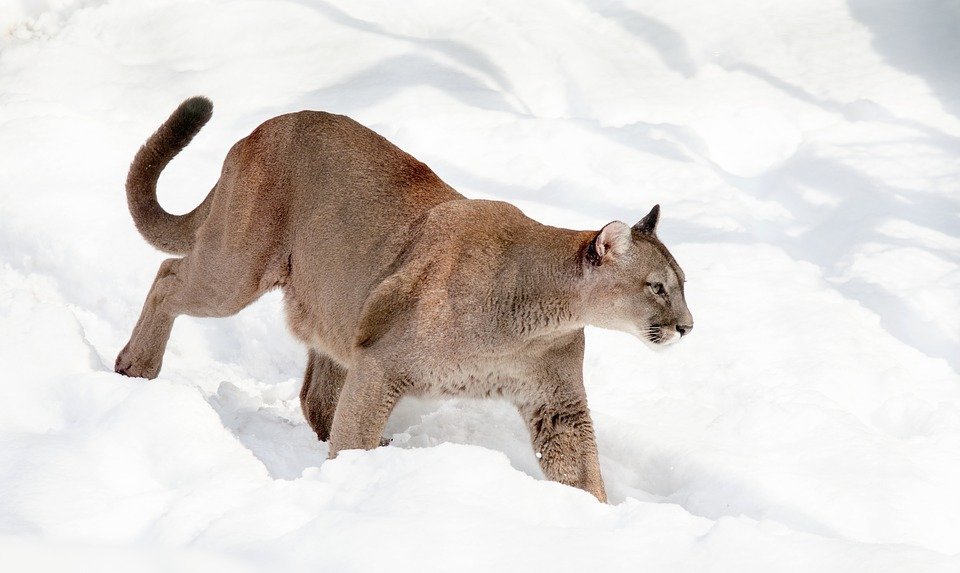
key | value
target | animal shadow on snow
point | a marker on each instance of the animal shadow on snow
(274, 430)
(270, 424)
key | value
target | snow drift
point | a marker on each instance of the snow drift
(804, 153)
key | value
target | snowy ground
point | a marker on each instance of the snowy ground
(806, 158)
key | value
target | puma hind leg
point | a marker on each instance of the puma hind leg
(208, 282)
(322, 383)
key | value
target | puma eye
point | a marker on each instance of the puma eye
(657, 288)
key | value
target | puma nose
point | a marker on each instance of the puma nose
(684, 328)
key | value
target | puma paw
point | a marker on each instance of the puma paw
(128, 364)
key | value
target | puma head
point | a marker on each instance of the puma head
(634, 284)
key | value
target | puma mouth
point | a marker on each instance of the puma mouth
(658, 336)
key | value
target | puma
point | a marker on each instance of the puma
(397, 283)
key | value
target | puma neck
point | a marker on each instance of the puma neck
(547, 297)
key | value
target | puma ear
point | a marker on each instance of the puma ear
(648, 225)
(612, 239)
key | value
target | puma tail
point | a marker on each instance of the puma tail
(170, 233)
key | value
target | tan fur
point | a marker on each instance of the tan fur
(397, 283)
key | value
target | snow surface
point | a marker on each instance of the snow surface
(806, 158)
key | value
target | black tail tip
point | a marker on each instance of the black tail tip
(188, 118)
(197, 107)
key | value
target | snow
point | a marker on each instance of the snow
(804, 153)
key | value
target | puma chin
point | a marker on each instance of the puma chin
(397, 284)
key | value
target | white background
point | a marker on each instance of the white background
(805, 155)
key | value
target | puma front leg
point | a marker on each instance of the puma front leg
(558, 419)
(562, 436)
(369, 394)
